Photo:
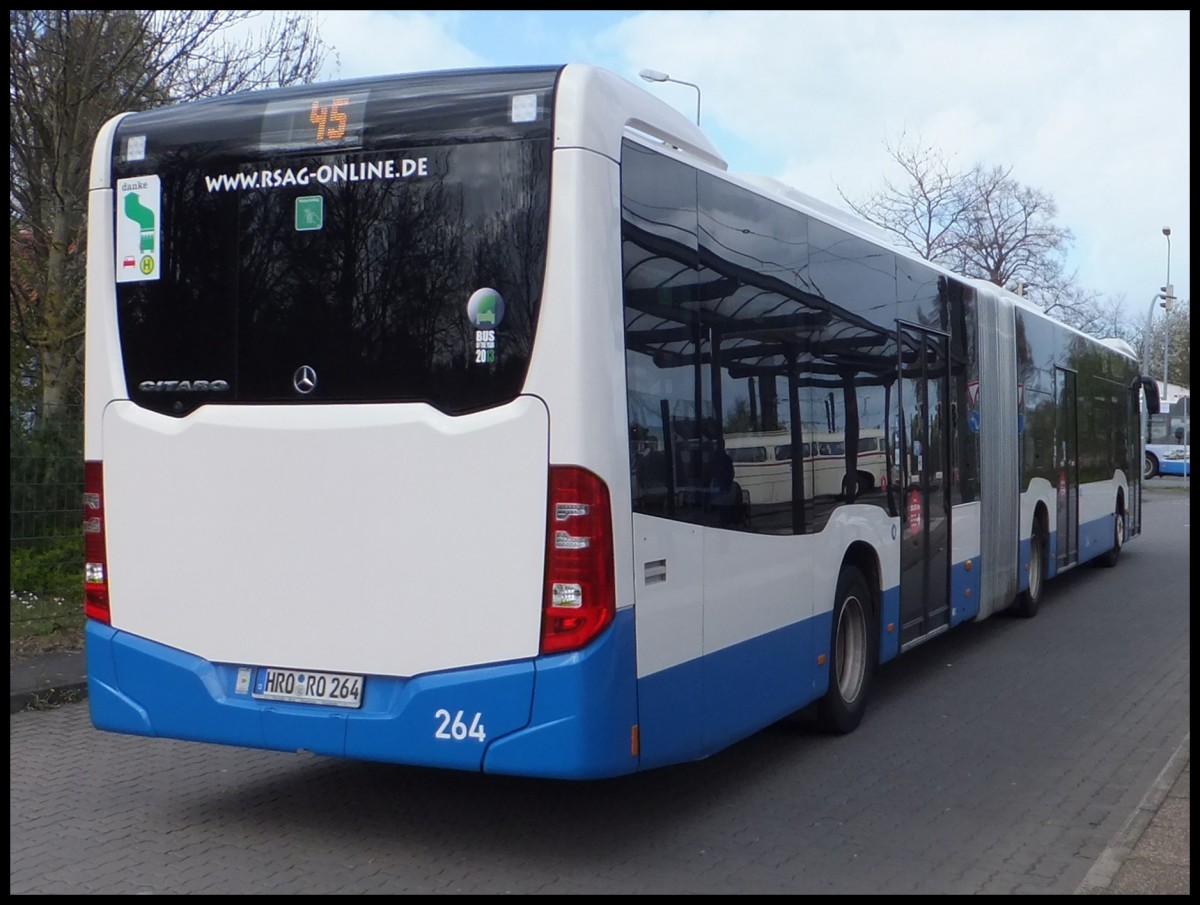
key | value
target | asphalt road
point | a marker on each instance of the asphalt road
(1000, 758)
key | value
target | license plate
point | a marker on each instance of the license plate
(305, 687)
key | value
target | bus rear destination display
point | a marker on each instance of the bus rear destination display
(325, 122)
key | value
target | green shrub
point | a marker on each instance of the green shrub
(46, 596)
(49, 568)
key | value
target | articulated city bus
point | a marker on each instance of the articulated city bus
(412, 408)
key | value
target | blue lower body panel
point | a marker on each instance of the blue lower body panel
(567, 715)
(1093, 538)
(697, 708)
(965, 590)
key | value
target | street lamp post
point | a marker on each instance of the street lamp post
(1161, 298)
(653, 75)
(1167, 300)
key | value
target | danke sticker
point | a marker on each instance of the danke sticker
(139, 228)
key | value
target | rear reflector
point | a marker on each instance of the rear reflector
(95, 554)
(580, 599)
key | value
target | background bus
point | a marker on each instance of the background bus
(411, 407)
(763, 465)
(1169, 441)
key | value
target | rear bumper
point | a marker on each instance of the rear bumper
(567, 716)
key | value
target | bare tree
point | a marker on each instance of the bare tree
(1105, 316)
(69, 72)
(984, 224)
(930, 212)
(1011, 238)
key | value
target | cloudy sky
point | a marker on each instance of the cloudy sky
(1091, 108)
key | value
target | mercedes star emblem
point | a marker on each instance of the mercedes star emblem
(305, 379)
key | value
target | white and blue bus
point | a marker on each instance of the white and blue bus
(1169, 442)
(409, 410)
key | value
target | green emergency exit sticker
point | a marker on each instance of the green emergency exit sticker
(310, 213)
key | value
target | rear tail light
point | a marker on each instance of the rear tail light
(580, 598)
(95, 554)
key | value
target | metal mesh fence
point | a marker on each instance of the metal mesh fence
(45, 523)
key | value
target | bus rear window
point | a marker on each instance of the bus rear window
(409, 275)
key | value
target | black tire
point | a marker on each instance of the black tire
(1028, 601)
(1109, 559)
(1150, 466)
(852, 655)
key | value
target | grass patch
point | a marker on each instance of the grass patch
(40, 624)
(45, 603)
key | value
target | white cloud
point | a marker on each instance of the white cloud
(376, 43)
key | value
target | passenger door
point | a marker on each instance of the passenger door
(926, 470)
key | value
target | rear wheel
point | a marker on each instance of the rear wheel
(1149, 466)
(1109, 559)
(1028, 601)
(851, 657)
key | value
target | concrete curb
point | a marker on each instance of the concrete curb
(58, 677)
(51, 697)
(1113, 858)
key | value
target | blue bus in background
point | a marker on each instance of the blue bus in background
(1168, 441)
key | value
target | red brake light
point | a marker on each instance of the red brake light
(579, 599)
(95, 554)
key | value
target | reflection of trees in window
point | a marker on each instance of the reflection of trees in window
(739, 419)
(377, 297)
(509, 254)
(1027, 368)
(364, 282)
(1106, 413)
(198, 242)
(366, 291)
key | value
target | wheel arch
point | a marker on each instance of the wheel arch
(1041, 517)
(862, 556)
